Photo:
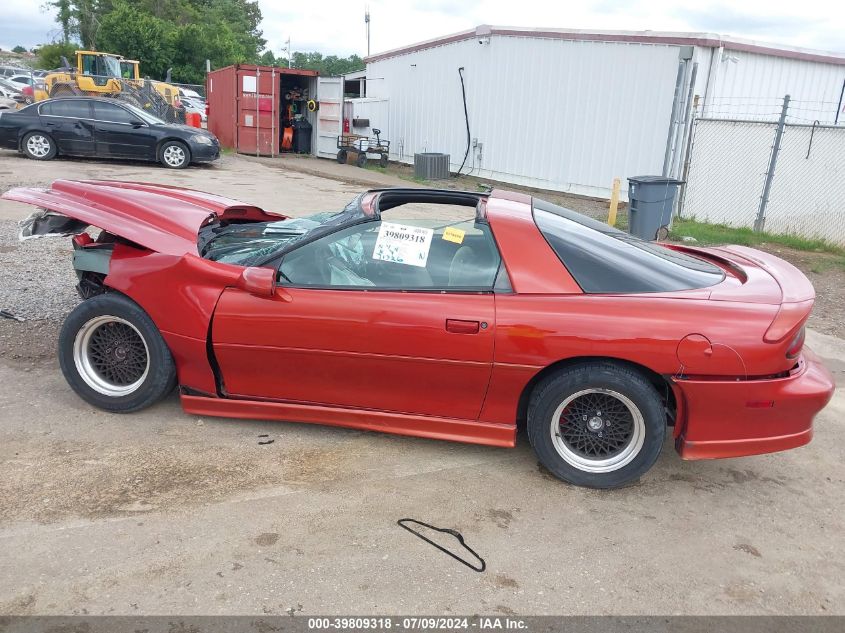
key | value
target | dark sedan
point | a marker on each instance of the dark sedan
(85, 126)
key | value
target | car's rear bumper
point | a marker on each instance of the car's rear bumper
(750, 417)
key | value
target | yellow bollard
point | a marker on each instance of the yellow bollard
(614, 203)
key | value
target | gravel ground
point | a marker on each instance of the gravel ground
(37, 275)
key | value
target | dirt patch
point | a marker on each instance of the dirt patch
(60, 479)
(29, 344)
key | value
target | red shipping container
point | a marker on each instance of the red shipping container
(246, 102)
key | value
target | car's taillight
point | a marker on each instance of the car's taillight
(788, 317)
(796, 345)
(206, 109)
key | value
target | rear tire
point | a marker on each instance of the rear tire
(175, 155)
(361, 160)
(598, 425)
(341, 156)
(113, 356)
(382, 161)
(38, 146)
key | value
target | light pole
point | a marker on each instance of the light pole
(367, 22)
(287, 52)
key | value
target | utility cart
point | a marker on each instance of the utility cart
(362, 146)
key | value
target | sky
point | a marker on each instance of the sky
(336, 27)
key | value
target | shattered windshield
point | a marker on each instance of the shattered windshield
(255, 243)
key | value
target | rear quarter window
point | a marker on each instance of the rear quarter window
(72, 108)
(605, 260)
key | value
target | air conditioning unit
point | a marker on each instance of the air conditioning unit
(431, 166)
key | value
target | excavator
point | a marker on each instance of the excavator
(110, 75)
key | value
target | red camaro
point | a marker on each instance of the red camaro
(440, 314)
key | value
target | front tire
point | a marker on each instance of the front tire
(38, 146)
(598, 425)
(175, 155)
(113, 356)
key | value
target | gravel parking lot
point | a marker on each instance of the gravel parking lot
(160, 512)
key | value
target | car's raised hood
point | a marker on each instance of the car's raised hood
(162, 218)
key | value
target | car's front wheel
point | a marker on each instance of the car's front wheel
(599, 425)
(38, 146)
(175, 155)
(113, 356)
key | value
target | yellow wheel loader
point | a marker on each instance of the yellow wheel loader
(99, 74)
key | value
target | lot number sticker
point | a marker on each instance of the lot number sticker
(451, 234)
(403, 244)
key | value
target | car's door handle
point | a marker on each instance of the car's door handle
(460, 326)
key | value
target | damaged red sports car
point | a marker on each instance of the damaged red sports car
(440, 314)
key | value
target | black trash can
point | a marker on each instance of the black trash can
(301, 136)
(650, 203)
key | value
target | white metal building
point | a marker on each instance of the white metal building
(570, 110)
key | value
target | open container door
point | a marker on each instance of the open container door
(329, 115)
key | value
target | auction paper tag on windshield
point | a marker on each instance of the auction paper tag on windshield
(403, 244)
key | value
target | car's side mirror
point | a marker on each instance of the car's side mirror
(258, 281)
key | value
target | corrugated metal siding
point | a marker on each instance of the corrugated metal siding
(755, 84)
(549, 113)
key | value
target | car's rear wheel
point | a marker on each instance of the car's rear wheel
(113, 356)
(38, 146)
(599, 425)
(175, 155)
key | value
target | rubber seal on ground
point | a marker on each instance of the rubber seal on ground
(455, 533)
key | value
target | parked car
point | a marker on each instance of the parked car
(195, 106)
(8, 71)
(106, 128)
(7, 88)
(7, 104)
(15, 92)
(383, 317)
(190, 94)
(22, 80)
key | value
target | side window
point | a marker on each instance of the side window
(88, 64)
(111, 113)
(73, 108)
(403, 254)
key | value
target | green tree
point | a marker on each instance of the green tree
(268, 59)
(242, 17)
(330, 66)
(195, 43)
(18, 49)
(50, 55)
(140, 36)
(64, 16)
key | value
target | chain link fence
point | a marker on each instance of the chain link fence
(769, 171)
(156, 97)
